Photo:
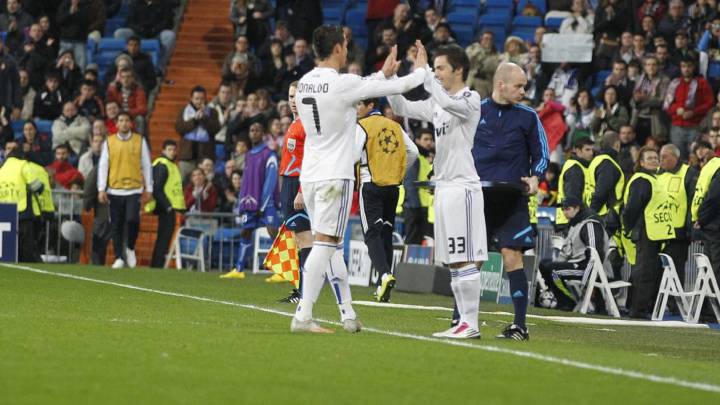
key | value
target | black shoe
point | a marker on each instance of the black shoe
(293, 298)
(455, 322)
(514, 332)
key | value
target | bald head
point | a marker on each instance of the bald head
(505, 71)
(509, 84)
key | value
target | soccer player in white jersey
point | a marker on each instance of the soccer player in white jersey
(326, 103)
(460, 236)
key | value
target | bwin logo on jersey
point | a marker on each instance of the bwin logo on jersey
(388, 141)
(443, 130)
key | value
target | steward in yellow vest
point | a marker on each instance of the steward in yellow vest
(572, 176)
(125, 181)
(18, 184)
(167, 199)
(706, 210)
(386, 153)
(647, 221)
(677, 182)
(606, 182)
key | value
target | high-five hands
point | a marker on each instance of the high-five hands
(391, 65)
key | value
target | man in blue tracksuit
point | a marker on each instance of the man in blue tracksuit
(510, 146)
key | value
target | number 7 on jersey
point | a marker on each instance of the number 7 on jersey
(316, 114)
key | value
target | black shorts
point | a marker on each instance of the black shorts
(507, 219)
(294, 220)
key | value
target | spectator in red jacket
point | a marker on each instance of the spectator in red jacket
(131, 97)
(687, 100)
(200, 194)
(64, 173)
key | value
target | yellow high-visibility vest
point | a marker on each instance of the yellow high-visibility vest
(658, 215)
(560, 218)
(674, 186)
(14, 178)
(42, 203)
(172, 188)
(590, 183)
(703, 185)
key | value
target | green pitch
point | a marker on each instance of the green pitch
(75, 341)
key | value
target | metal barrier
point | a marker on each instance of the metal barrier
(68, 207)
(543, 248)
(223, 237)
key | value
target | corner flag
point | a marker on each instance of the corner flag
(283, 257)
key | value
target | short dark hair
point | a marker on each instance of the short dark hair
(456, 57)
(374, 101)
(123, 112)
(198, 89)
(63, 146)
(169, 142)
(325, 37)
(582, 142)
(609, 139)
(88, 83)
(134, 38)
(689, 58)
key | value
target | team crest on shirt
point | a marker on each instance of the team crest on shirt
(388, 141)
(291, 145)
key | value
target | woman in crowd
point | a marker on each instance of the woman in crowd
(611, 115)
(644, 199)
(579, 117)
(200, 194)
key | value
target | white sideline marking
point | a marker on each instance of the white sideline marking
(488, 348)
(561, 319)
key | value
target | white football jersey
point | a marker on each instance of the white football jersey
(326, 103)
(455, 118)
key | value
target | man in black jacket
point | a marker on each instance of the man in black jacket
(10, 90)
(166, 176)
(151, 19)
(73, 20)
(586, 231)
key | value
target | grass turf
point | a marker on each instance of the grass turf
(74, 341)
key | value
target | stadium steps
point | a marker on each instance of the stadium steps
(204, 37)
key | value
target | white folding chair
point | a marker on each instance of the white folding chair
(706, 286)
(193, 238)
(596, 278)
(670, 286)
(260, 249)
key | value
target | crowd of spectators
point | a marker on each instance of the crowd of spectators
(56, 104)
(662, 60)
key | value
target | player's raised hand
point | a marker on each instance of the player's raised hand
(421, 60)
(391, 65)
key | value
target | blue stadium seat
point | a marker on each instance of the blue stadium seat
(17, 128)
(44, 126)
(504, 4)
(355, 17)
(554, 23)
(495, 18)
(466, 3)
(151, 46)
(525, 33)
(464, 34)
(540, 4)
(457, 18)
(3, 35)
(111, 44)
(332, 15)
(220, 151)
(600, 76)
(525, 21)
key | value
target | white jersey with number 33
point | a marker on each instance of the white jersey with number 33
(326, 103)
